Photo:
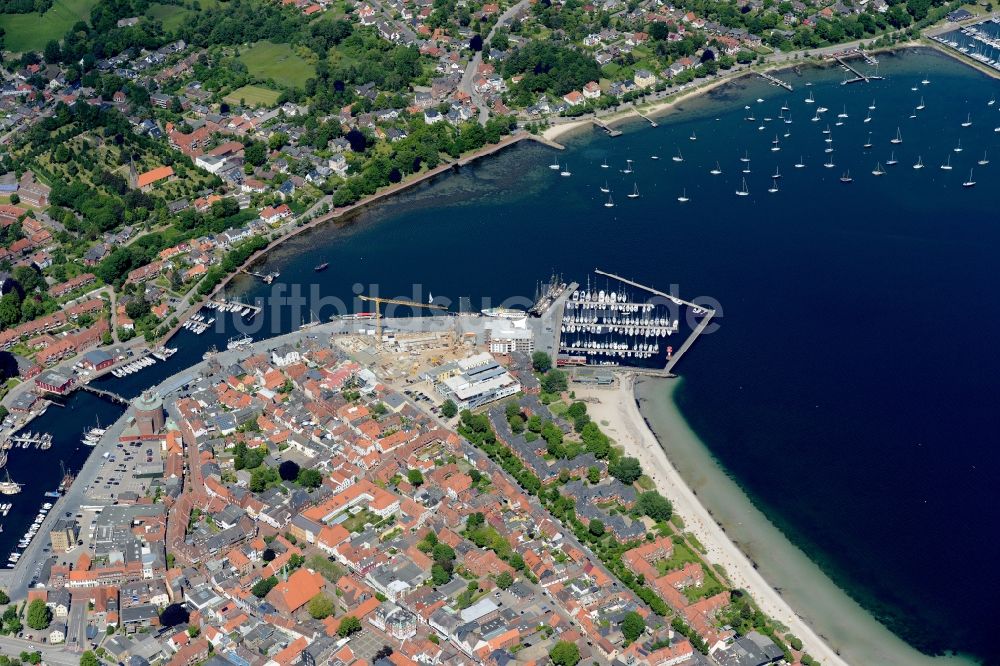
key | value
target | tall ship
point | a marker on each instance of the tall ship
(504, 313)
(9, 487)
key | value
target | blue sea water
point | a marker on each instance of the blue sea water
(850, 388)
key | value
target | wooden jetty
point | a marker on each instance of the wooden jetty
(604, 126)
(775, 80)
(652, 123)
(110, 395)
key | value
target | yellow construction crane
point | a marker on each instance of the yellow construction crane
(378, 301)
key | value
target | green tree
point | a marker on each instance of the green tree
(655, 505)
(39, 615)
(309, 478)
(632, 626)
(448, 409)
(320, 606)
(415, 477)
(263, 586)
(565, 653)
(348, 625)
(88, 658)
(505, 580)
(10, 309)
(439, 575)
(4, 599)
(593, 475)
(596, 527)
(627, 470)
(541, 362)
(554, 381)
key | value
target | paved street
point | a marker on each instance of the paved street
(54, 656)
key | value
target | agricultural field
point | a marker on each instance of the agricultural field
(279, 62)
(174, 16)
(30, 32)
(253, 96)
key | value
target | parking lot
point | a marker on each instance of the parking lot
(117, 474)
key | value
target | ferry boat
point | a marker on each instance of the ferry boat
(9, 487)
(236, 343)
(322, 267)
(504, 313)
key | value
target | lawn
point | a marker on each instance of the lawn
(30, 32)
(253, 95)
(266, 60)
(174, 16)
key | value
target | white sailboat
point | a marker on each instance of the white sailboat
(868, 118)
(777, 173)
(947, 165)
(925, 81)
(984, 161)
(877, 171)
(968, 121)
(555, 165)
(628, 167)
(743, 191)
(970, 182)
(898, 138)
(605, 188)
(843, 114)
(800, 164)
(693, 136)
(746, 157)
(871, 107)
(958, 148)
(717, 170)
(892, 159)
(810, 99)
(846, 178)
(635, 192)
(920, 107)
(774, 187)
(565, 171)
(604, 164)
(868, 143)
(746, 168)
(684, 196)
(920, 163)
(993, 100)
(678, 157)
(829, 163)
(609, 203)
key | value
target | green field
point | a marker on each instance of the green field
(279, 62)
(30, 32)
(173, 16)
(253, 95)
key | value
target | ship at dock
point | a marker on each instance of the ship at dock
(504, 313)
(9, 487)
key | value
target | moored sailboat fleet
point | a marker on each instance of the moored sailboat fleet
(870, 144)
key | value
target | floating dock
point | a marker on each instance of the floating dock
(775, 80)
(604, 126)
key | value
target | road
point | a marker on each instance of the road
(469, 76)
(54, 656)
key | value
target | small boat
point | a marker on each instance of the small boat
(565, 171)
(760, 101)
(919, 164)
(827, 130)
(868, 118)
(913, 88)
(878, 171)
(871, 107)
(635, 192)
(984, 161)
(814, 118)
(746, 169)
(868, 143)
(925, 81)
(717, 170)
(968, 121)
(774, 187)
(654, 157)
(321, 267)
(746, 157)
(920, 107)
(947, 165)
(822, 109)
(628, 167)
(993, 100)
(555, 165)
(678, 157)
(693, 137)
(914, 114)
(970, 182)
(892, 161)
(958, 148)
(810, 99)
(605, 188)
(609, 203)
(898, 138)
(604, 164)
(683, 198)
(777, 173)
(843, 114)
(829, 164)
(846, 178)
(743, 191)
(800, 164)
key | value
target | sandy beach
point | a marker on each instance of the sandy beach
(833, 628)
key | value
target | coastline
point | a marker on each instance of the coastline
(756, 556)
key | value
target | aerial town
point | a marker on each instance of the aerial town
(326, 498)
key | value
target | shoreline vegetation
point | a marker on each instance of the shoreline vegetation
(641, 415)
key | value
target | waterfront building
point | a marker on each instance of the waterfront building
(507, 336)
(474, 381)
(54, 382)
(64, 535)
(97, 360)
(149, 414)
